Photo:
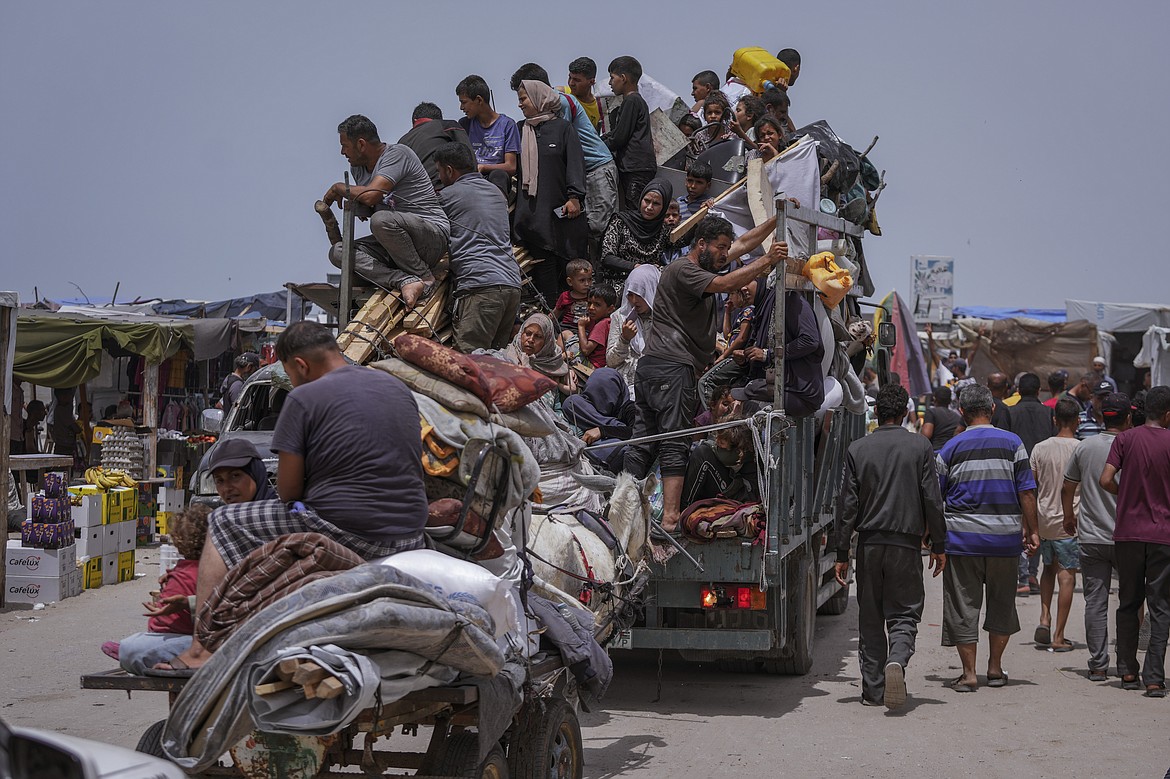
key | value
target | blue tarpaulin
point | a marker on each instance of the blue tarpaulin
(993, 312)
(270, 305)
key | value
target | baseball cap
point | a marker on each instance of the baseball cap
(232, 453)
(1098, 360)
(1115, 404)
(1102, 388)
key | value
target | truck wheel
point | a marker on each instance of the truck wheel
(802, 608)
(461, 758)
(546, 742)
(151, 741)
(836, 604)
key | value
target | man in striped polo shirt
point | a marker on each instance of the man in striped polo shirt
(989, 494)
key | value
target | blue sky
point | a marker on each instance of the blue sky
(177, 148)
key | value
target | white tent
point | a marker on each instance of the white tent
(1119, 317)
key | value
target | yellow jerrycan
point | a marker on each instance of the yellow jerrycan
(758, 69)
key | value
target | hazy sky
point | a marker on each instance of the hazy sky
(177, 148)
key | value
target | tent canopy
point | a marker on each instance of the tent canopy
(65, 349)
(1119, 317)
(994, 312)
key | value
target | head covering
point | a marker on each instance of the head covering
(1103, 388)
(549, 359)
(648, 231)
(242, 454)
(547, 102)
(600, 403)
(1115, 406)
(642, 281)
(1098, 360)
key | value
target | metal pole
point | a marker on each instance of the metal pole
(345, 299)
(778, 521)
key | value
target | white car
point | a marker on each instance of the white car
(26, 753)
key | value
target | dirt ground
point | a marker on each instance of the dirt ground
(1049, 719)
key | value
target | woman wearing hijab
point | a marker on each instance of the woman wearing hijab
(604, 414)
(239, 473)
(639, 236)
(630, 325)
(549, 218)
(536, 347)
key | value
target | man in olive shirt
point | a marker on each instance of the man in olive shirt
(682, 343)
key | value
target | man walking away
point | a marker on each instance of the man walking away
(890, 496)
(1000, 387)
(1032, 422)
(483, 268)
(989, 497)
(1060, 551)
(1142, 540)
(939, 423)
(1092, 523)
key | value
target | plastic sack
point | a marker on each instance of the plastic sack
(833, 149)
(831, 280)
(459, 580)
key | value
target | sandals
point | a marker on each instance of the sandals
(1043, 635)
(1130, 682)
(178, 670)
(1155, 691)
(1067, 646)
(997, 681)
(958, 685)
(1098, 674)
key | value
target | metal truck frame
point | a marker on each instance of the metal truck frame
(753, 605)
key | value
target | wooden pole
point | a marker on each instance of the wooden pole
(150, 418)
(8, 303)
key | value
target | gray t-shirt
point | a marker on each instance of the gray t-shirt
(481, 242)
(684, 316)
(413, 192)
(358, 430)
(1098, 511)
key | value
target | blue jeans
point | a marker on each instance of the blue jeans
(141, 651)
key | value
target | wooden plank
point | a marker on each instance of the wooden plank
(694, 219)
(271, 687)
(330, 688)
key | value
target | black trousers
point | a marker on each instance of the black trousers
(1143, 575)
(666, 397)
(890, 597)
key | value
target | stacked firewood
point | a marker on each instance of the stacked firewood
(314, 681)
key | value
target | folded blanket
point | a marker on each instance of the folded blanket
(267, 575)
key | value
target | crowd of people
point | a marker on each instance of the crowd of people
(641, 327)
(992, 481)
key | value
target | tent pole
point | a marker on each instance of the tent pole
(150, 418)
(7, 322)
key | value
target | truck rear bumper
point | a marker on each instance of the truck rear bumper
(685, 638)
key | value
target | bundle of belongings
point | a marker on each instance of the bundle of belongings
(306, 635)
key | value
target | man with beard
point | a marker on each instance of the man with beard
(682, 344)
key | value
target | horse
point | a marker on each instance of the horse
(573, 565)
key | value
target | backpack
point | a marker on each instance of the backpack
(706, 520)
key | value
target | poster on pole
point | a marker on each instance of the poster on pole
(934, 288)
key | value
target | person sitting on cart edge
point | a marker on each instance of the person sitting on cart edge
(408, 229)
(350, 468)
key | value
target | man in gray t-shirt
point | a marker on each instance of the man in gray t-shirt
(1093, 526)
(409, 230)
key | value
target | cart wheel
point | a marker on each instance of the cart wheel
(546, 742)
(461, 758)
(151, 741)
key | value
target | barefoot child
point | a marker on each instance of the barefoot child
(168, 630)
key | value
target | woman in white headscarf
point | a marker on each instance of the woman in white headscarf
(630, 324)
(549, 216)
(536, 347)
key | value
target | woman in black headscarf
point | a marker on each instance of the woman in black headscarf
(637, 236)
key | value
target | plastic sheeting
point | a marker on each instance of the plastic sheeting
(1017, 345)
(1119, 317)
(65, 350)
(271, 305)
(993, 313)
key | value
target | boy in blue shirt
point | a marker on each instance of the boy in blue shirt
(494, 137)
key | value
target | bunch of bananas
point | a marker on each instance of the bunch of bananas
(108, 479)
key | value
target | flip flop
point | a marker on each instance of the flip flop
(1155, 691)
(997, 681)
(1130, 682)
(1043, 635)
(1067, 647)
(1098, 674)
(110, 649)
(959, 686)
(178, 670)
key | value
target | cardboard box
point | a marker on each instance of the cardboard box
(171, 499)
(33, 562)
(144, 530)
(37, 589)
(126, 566)
(91, 573)
(91, 541)
(110, 539)
(73, 578)
(90, 513)
(43, 535)
(100, 433)
(162, 523)
(126, 534)
(109, 569)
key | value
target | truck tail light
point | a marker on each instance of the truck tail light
(732, 596)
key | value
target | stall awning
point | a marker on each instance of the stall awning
(65, 349)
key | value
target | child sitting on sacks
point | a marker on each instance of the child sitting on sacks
(168, 634)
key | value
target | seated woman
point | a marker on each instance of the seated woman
(630, 325)
(725, 468)
(604, 414)
(640, 235)
(238, 471)
(536, 347)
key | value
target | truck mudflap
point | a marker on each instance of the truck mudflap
(684, 638)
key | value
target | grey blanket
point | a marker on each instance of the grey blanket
(370, 609)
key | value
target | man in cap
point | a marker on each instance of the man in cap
(1092, 523)
(1092, 423)
(233, 384)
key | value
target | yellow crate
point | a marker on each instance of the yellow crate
(91, 573)
(162, 522)
(126, 566)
